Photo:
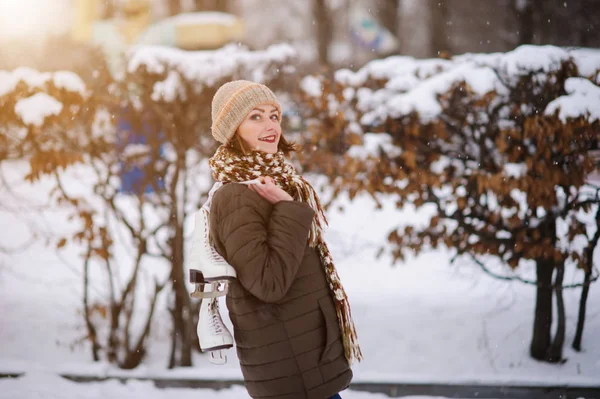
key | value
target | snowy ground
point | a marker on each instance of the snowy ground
(39, 385)
(423, 320)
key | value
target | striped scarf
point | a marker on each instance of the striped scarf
(227, 166)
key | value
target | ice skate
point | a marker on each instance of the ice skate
(214, 336)
(210, 273)
(206, 264)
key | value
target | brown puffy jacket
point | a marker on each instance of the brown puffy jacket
(285, 325)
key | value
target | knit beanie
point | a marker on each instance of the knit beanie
(232, 103)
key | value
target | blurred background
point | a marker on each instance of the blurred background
(44, 34)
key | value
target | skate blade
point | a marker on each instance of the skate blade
(218, 357)
(215, 293)
(212, 294)
(197, 277)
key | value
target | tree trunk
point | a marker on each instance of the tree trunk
(439, 35)
(586, 29)
(586, 284)
(581, 316)
(324, 30)
(135, 356)
(525, 17)
(555, 349)
(172, 356)
(540, 341)
(387, 14)
(182, 301)
(181, 306)
(92, 335)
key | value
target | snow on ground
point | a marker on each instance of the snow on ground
(420, 321)
(46, 385)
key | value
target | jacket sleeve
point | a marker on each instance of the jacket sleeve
(266, 251)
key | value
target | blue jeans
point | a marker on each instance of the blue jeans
(336, 396)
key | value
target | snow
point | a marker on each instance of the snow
(46, 385)
(34, 110)
(31, 77)
(69, 81)
(61, 79)
(587, 60)
(372, 144)
(516, 170)
(583, 99)
(423, 98)
(8, 82)
(528, 58)
(203, 69)
(312, 86)
(414, 84)
(207, 68)
(170, 89)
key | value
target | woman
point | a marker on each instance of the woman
(287, 305)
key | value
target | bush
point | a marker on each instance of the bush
(498, 144)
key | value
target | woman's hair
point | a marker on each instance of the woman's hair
(238, 144)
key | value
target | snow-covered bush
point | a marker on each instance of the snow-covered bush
(140, 143)
(499, 145)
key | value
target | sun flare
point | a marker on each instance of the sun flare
(20, 18)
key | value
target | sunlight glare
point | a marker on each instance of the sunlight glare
(20, 18)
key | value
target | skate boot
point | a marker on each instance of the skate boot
(206, 264)
(209, 272)
(214, 336)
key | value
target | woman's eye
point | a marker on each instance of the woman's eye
(255, 117)
(275, 117)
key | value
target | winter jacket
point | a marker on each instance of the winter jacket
(286, 330)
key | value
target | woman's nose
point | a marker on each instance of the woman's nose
(272, 124)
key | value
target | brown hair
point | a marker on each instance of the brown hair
(238, 144)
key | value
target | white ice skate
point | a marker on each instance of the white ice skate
(209, 271)
(212, 332)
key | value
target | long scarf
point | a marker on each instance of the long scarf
(229, 167)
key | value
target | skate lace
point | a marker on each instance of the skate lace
(215, 323)
(210, 249)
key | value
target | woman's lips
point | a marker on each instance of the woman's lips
(268, 139)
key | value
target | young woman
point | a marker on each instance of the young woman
(293, 327)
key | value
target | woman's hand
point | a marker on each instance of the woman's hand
(269, 190)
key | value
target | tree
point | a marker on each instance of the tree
(324, 30)
(439, 19)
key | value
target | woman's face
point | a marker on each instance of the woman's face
(261, 129)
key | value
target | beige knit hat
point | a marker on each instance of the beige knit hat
(232, 103)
